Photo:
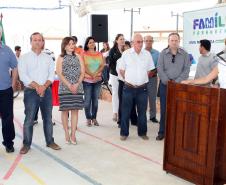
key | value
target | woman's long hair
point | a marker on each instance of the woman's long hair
(116, 38)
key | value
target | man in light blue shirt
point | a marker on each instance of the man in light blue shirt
(7, 84)
(153, 79)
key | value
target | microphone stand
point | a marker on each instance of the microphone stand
(221, 53)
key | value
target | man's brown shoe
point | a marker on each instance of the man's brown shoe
(123, 138)
(54, 146)
(24, 149)
(145, 137)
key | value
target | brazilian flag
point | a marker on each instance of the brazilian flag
(1, 28)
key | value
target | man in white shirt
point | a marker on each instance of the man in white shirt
(36, 71)
(134, 68)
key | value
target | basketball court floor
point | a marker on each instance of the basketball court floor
(99, 158)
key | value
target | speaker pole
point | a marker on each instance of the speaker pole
(97, 46)
(131, 20)
(69, 20)
(69, 9)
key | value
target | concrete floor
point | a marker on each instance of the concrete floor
(100, 157)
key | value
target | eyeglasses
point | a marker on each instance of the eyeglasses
(173, 58)
(139, 41)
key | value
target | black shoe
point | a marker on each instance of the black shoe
(154, 120)
(9, 149)
(134, 124)
(144, 137)
(159, 137)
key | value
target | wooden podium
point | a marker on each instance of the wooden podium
(195, 141)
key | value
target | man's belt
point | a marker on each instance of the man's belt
(135, 86)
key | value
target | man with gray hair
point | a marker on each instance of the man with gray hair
(7, 85)
(134, 68)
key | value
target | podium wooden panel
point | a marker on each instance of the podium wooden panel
(195, 142)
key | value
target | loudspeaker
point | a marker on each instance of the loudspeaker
(99, 27)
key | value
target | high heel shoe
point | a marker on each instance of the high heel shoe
(74, 142)
(67, 142)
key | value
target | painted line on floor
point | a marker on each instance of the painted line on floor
(59, 161)
(117, 146)
(16, 163)
(12, 167)
(26, 170)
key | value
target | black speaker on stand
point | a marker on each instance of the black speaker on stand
(99, 28)
(99, 31)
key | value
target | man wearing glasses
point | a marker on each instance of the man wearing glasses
(173, 65)
(135, 65)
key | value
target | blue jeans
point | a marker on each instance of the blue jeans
(31, 102)
(140, 96)
(162, 91)
(133, 114)
(91, 91)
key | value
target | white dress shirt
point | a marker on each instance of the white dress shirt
(136, 66)
(37, 68)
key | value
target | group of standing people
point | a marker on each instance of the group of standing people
(134, 73)
(80, 74)
(134, 80)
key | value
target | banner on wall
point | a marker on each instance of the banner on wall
(204, 24)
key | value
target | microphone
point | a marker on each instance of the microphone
(221, 53)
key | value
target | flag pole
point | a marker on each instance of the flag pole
(2, 39)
